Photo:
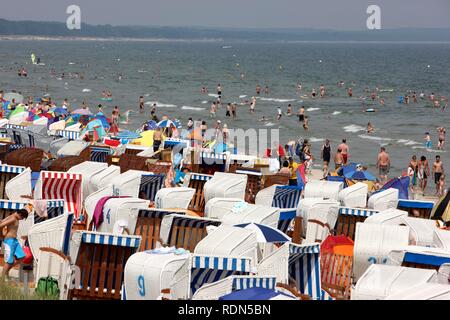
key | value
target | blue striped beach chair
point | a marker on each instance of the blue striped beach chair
(71, 135)
(197, 181)
(150, 185)
(422, 208)
(99, 154)
(209, 162)
(254, 183)
(101, 258)
(347, 219)
(203, 269)
(286, 197)
(186, 231)
(8, 172)
(55, 208)
(148, 226)
(8, 207)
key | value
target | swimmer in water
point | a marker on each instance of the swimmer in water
(370, 128)
(306, 123)
(258, 89)
(280, 114)
(289, 110)
(313, 93)
(263, 118)
(350, 92)
(322, 90)
(266, 90)
(141, 103)
(382, 102)
(299, 88)
(213, 109)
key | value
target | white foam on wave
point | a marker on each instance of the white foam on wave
(213, 95)
(71, 63)
(313, 139)
(86, 90)
(312, 109)
(242, 96)
(435, 150)
(353, 128)
(336, 113)
(407, 142)
(269, 124)
(277, 100)
(192, 108)
(365, 136)
(204, 102)
(419, 147)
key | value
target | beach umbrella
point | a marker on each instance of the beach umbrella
(442, 208)
(13, 95)
(257, 293)
(59, 111)
(83, 112)
(348, 169)
(401, 184)
(166, 124)
(360, 175)
(150, 125)
(128, 135)
(265, 233)
(103, 120)
(18, 110)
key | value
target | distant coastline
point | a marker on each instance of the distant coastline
(112, 39)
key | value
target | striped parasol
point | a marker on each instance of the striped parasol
(166, 124)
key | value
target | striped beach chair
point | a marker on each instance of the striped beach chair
(99, 154)
(287, 199)
(150, 185)
(101, 258)
(416, 208)
(347, 219)
(62, 185)
(197, 181)
(215, 290)
(148, 226)
(8, 207)
(420, 257)
(7, 173)
(71, 135)
(209, 162)
(203, 269)
(184, 231)
(55, 208)
(254, 183)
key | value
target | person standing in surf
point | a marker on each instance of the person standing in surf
(280, 114)
(350, 92)
(423, 173)
(326, 156)
(141, 103)
(258, 89)
(301, 114)
(383, 164)
(438, 171)
(344, 151)
(213, 109)
(338, 159)
(219, 90)
(441, 142)
(322, 90)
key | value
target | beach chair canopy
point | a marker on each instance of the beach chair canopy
(441, 209)
(401, 184)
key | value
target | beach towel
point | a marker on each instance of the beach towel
(40, 207)
(98, 211)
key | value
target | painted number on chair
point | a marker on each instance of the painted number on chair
(141, 285)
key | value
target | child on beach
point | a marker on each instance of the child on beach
(441, 186)
(305, 123)
(428, 143)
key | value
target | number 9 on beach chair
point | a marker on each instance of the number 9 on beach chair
(101, 259)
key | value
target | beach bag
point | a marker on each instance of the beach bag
(28, 256)
(47, 288)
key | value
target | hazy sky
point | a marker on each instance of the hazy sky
(321, 14)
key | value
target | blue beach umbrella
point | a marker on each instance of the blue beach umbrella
(150, 125)
(166, 124)
(360, 175)
(265, 233)
(59, 111)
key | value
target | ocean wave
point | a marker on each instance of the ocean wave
(86, 90)
(407, 142)
(365, 136)
(213, 95)
(204, 102)
(192, 108)
(336, 113)
(419, 147)
(312, 109)
(276, 100)
(242, 96)
(269, 124)
(353, 128)
(313, 139)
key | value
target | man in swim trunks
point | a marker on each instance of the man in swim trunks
(228, 113)
(344, 150)
(13, 252)
(441, 131)
(280, 114)
(383, 164)
(258, 89)
(219, 90)
(338, 159)
(350, 92)
(326, 156)
(141, 103)
(301, 114)
(438, 171)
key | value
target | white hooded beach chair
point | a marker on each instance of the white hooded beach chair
(373, 243)
(416, 208)
(183, 231)
(319, 223)
(87, 169)
(225, 185)
(103, 178)
(55, 264)
(419, 257)
(19, 186)
(252, 213)
(7, 173)
(379, 281)
(148, 273)
(174, 198)
(53, 233)
(128, 183)
(323, 189)
(424, 291)
(354, 196)
(121, 212)
(72, 148)
(202, 269)
(148, 226)
(297, 263)
(349, 217)
(421, 231)
(307, 206)
(383, 200)
(388, 216)
(197, 181)
(101, 259)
